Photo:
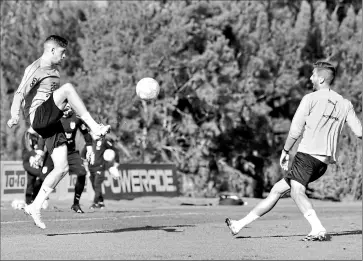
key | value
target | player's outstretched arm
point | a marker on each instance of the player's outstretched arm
(354, 123)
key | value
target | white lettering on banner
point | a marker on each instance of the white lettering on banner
(125, 180)
(152, 180)
(161, 182)
(140, 180)
(15, 179)
(135, 181)
(72, 180)
(169, 180)
(144, 180)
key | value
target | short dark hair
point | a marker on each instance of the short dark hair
(60, 41)
(326, 69)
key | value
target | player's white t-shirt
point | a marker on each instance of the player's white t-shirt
(323, 113)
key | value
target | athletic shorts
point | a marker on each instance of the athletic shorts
(98, 172)
(305, 169)
(75, 163)
(48, 125)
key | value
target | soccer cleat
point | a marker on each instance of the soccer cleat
(94, 206)
(29, 209)
(100, 132)
(101, 205)
(77, 208)
(321, 236)
(229, 223)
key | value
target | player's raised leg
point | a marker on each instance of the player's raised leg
(59, 157)
(277, 191)
(67, 93)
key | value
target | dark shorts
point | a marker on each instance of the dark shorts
(305, 169)
(48, 125)
(75, 163)
(97, 172)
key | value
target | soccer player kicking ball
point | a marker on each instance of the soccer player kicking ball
(43, 100)
(320, 118)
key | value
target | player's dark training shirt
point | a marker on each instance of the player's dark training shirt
(99, 147)
(70, 125)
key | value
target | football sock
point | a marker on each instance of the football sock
(314, 221)
(92, 124)
(247, 219)
(43, 194)
(78, 189)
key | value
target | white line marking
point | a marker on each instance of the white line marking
(101, 218)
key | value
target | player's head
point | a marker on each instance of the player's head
(55, 46)
(323, 74)
(67, 111)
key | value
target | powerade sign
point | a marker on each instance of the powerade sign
(138, 180)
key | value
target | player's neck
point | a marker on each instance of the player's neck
(324, 87)
(45, 61)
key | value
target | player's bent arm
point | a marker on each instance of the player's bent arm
(16, 105)
(297, 124)
(19, 95)
(353, 122)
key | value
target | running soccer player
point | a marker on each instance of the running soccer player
(319, 118)
(43, 100)
(71, 124)
(99, 164)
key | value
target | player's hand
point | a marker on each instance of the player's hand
(13, 121)
(39, 159)
(114, 171)
(284, 160)
(90, 156)
(33, 163)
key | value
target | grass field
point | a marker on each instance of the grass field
(163, 228)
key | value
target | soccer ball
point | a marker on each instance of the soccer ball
(147, 89)
(18, 204)
(109, 155)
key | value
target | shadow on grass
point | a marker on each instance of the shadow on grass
(165, 228)
(328, 236)
(127, 211)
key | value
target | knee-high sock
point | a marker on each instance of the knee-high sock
(43, 194)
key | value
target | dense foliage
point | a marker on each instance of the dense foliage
(232, 74)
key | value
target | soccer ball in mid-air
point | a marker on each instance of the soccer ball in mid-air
(147, 89)
(109, 155)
